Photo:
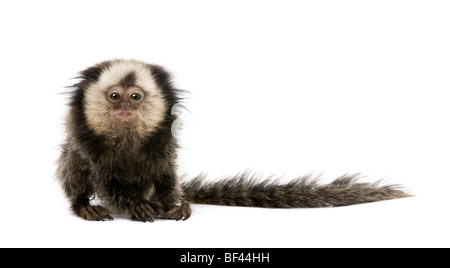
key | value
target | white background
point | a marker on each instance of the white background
(279, 87)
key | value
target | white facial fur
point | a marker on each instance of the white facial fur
(99, 111)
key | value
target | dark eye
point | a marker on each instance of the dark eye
(114, 96)
(136, 96)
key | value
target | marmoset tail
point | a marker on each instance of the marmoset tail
(120, 150)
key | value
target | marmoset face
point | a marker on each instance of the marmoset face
(125, 102)
(125, 97)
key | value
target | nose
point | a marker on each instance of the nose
(125, 104)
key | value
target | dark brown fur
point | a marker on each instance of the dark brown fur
(122, 169)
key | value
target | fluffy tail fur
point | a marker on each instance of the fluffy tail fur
(304, 192)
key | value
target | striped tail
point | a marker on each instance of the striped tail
(304, 192)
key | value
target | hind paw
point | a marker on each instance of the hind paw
(93, 213)
(182, 212)
(143, 212)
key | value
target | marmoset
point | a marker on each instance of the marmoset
(120, 150)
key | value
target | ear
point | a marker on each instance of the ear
(161, 76)
(91, 74)
(163, 80)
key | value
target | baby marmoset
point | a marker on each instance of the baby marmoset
(119, 148)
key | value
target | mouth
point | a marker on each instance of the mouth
(124, 115)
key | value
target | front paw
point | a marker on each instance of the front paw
(143, 212)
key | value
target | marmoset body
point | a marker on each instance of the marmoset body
(119, 149)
